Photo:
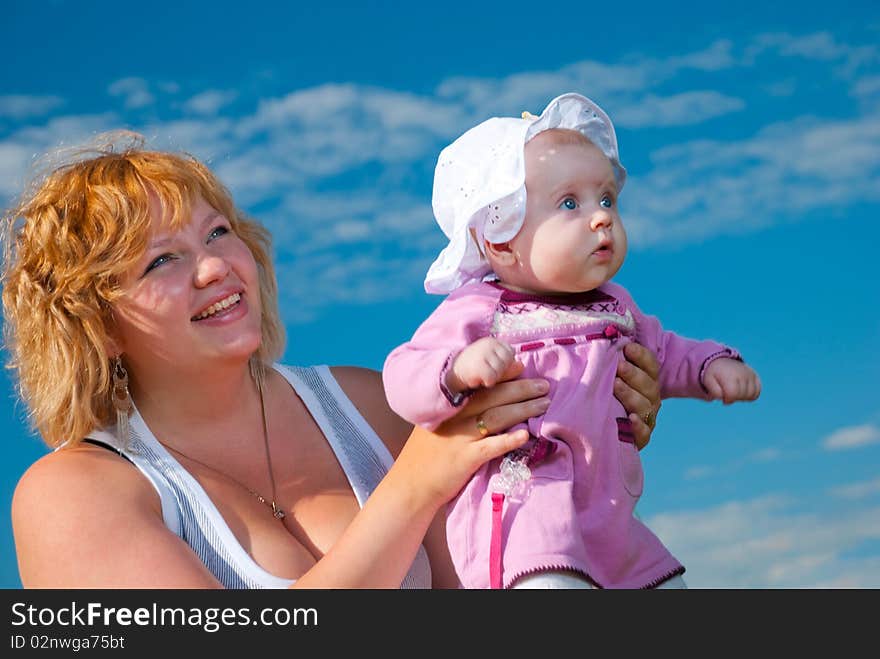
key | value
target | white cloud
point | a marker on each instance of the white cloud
(14, 159)
(354, 109)
(698, 472)
(32, 149)
(677, 110)
(350, 230)
(701, 472)
(19, 106)
(718, 56)
(782, 88)
(857, 490)
(784, 171)
(135, 92)
(852, 437)
(620, 88)
(307, 285)
(209, 138)
(819, 46)
(209, 102)
(287, 155)
(394, 237)
(867, 87)
(766, 455)
(310, 106)
(391, 215)
(306, 138)
(767, 543)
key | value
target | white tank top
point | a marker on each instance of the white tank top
(190, 514)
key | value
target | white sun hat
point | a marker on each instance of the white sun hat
(479, 183)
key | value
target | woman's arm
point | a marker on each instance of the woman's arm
(377, 548)
(364, 388)
(507, 403)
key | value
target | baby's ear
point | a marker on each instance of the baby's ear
(501, 253)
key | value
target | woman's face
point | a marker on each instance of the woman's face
(192, 299)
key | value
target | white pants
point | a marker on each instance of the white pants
(567, 580)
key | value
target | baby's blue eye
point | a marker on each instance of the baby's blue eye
(606, 201)
(569, 204)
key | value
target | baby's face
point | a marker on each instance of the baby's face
(572, 239)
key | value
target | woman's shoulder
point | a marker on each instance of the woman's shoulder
(85, 517)
(78, 480)
(363, 386)
(70, 466)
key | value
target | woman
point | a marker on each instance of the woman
(141, 317)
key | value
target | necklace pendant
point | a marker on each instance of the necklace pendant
(277, 513)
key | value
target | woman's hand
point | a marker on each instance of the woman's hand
(378, 546)
(446, 458)
(637, 387)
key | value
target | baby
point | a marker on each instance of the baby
(530, 209)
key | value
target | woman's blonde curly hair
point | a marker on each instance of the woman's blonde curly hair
(68, 241)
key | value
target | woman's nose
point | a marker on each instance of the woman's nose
(210, 268)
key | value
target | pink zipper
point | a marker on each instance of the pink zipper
(611, 332)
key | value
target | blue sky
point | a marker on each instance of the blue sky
(751, 135)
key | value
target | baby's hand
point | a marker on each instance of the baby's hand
(481, 364)
(731, 380)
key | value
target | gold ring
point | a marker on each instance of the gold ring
(481, 426)
(650, 418)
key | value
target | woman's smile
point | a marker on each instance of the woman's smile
(220, 309)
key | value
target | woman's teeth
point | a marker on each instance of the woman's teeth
(218, 306)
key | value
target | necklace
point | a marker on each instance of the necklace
(277, 513)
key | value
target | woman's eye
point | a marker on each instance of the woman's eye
(606, 201)
(569, 204)
(155, 263)
(217, 232)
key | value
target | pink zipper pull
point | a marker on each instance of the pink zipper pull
(495, 541)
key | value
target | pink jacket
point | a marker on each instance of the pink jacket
(577, 511)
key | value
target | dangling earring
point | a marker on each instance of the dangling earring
(121, 399)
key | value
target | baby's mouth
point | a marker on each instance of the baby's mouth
(605, 247)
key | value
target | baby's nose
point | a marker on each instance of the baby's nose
(601, 220)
